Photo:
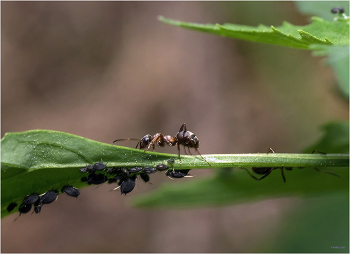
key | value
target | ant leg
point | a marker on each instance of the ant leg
(266, 174)
(126, 139)
(178, 148)
(284, 179)
(202, 157)
(251, 174)
(189, 150)
(185, 150)
(116, 188)
(333, 174)
(315, 151)
(270, 150)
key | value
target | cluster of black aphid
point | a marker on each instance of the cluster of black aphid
(126, 177)
(38, 201)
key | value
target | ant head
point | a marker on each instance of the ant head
(144, 142)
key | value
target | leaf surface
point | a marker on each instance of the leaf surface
(318, 32)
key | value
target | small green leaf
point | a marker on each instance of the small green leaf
(318, 32)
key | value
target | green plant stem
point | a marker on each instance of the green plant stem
(269, 160)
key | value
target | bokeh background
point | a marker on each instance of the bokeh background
(108, 70)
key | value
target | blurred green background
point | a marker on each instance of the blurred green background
(108, 70)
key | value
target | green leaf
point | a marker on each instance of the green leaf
(41, 160)
(334, 140)
(318, 32)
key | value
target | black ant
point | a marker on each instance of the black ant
(265, 171)
(183, 137)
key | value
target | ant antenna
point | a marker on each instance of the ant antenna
(128, 139)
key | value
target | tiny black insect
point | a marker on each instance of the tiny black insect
(99, 166)
(134, 170)
(30, 199)
(145, 177)
(70, 191)
(87, 169)
(338, 10)
(11, 206)
(149, 170)
(37, 209)
(127, 185)
(23, 208)
(178, 173)
(96, 178)
(49, 197)
(37, 206)
(161, 167)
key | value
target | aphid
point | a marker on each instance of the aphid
(70, 191)
(177, 173)
(161, 167)
(144, 177)
(49, 197)
(11, 206)
(37, 206)
(337, 10)
(96, 178)
(37, 209)
(87, 169)
(99, 166)
(149, 170)
(30, 199)
(127, 185)
(171, 161)
(134, 170)
(23, 208)
(116, 171)
(188, 139)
